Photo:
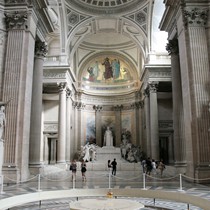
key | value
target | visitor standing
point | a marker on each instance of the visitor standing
(114, 167)
(161, 167)
(83, 170)
(73, 168)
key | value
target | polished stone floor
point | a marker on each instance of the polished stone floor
(62, 180)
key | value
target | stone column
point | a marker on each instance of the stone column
(97, 109)
(147, 118)
(18, 79)
(118, 132)
(68, 126)
(139, 127)
(53, 150)
(154, 129)
(197, 120)
(36, 108)
(178, 126)
(61, 153)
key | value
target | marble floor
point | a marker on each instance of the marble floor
(62, 180)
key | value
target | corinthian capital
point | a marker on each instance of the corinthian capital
(40, 49)
(153, 87)
(195, 17)
(172, 47)
(16, 20)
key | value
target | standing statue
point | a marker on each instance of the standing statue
(2, 120)
(2, 126)
(108, 137)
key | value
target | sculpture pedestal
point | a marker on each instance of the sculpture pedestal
(106, 204)
(106, 153)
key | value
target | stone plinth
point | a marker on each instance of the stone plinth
(106, 153)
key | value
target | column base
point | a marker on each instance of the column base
(202, 173)
(181, 167)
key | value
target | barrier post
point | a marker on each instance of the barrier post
(39, 183)
(180, 183)
(73, 185)
(144, 181)
(110, 178)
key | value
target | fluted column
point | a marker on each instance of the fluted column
(68, 126)
(62, 124)
(98, 109)
(147, 118)
(195, 22)
(178, 119)
(18, 79)
(36, 110)
(154, 129)
(118, 132)
(139, 126)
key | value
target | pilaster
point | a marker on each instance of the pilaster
(147, 118)
(118, 132)
(154, 129)
(68, 126)
(62, 124)
(98, 109)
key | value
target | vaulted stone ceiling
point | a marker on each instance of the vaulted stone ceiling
(117, 29)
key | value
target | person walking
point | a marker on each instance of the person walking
(114, 167)
(73, 168)
(83, 170)
(161, 167)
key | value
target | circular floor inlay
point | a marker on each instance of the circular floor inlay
(106, 204)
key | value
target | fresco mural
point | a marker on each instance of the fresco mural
(90, 128)
(107, 69)
(126, 121)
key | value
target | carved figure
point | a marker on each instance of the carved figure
(108, 137)
(2, 120)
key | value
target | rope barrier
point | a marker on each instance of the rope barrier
(156, 178)
(195, 179)
(57, 180)
(20, 182)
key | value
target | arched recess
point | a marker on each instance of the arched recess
(96, 77)
(123, 27)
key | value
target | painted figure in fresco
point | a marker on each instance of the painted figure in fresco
(116, 68)
(96, 70)
(108, 137)
(91, 75)
(108, 73)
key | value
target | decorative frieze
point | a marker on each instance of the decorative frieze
(51, 127)
(40, 49)
(17, 20)
(195, 17)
